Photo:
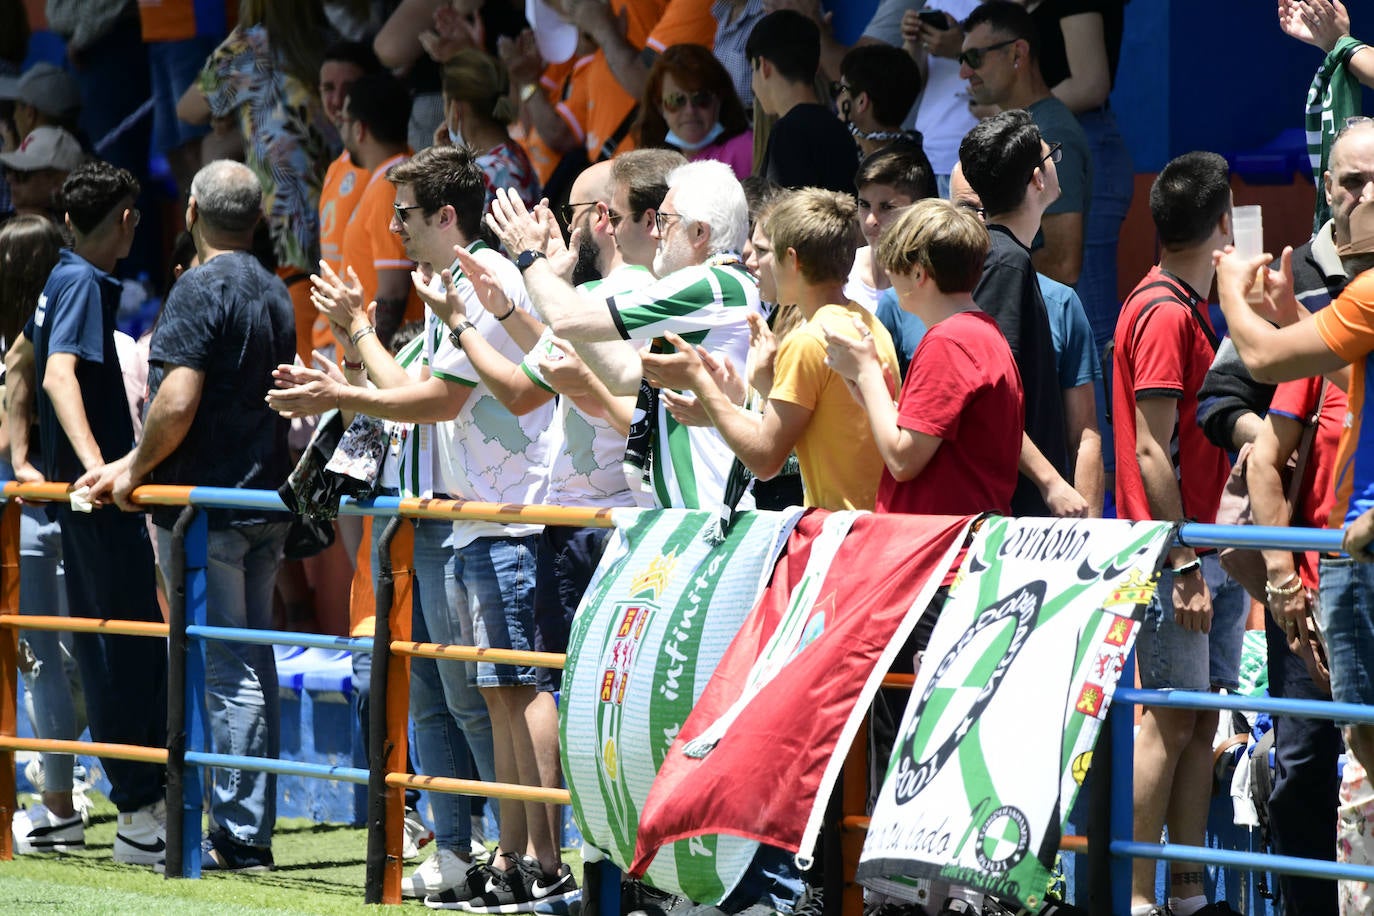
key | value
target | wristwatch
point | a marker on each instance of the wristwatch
(455, 334)
(526, 258)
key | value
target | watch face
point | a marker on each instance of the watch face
(527, 257)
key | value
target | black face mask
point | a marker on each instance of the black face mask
(586, 267)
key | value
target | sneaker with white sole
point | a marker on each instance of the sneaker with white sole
(441, 871)
(36, 829)
(524, 887)
(141, 835)
(417, 835)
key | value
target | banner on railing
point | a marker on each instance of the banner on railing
(1016, 681)
(664, 605)
(763, 748)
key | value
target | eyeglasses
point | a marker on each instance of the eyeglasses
(402, 211)
(663, 220)
(839, 88)
(974, 57)
(1055, 154)
(569, 210)
(676, 101)
(613, 217)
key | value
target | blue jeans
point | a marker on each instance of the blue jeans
(240, 679)
(1346, 615)
(1172, 658)
(49, 688)
(497, 575)
(452, 725)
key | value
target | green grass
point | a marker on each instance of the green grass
(319, 870)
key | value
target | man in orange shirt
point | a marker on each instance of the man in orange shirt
(373, 127)
(345, 62)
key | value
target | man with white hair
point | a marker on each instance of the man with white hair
(704, 293)
(226, 325)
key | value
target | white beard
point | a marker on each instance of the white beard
(673, 256)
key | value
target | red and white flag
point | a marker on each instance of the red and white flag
(762, 748)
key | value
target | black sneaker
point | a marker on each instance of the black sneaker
(221, 852)
(640, 899)
(523, 887)
(457, 897)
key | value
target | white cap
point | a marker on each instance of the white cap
(45, 148)
(556, 36)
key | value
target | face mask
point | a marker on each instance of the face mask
(711, 135)
(456, 137)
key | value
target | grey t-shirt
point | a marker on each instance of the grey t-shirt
(1058, 125)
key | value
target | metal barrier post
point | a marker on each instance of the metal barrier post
(193, 552)
(9, 669)
(183, 707)
(1121, 776)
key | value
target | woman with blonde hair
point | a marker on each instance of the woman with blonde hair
(478, 111)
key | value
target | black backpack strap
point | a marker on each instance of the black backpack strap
(613, 142)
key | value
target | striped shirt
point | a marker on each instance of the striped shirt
(706, 304)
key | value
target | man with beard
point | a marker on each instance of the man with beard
(704, 292)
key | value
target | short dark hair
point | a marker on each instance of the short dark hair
(92, 192)
(890, 77)
(904, 166)
(446, 176)
(789, 41)
(356, 53)
(999, 156)
(1009, 19)
(381, 102)
(1189, 197)
(643, 173)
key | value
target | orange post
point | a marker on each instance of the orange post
(9, 669)
(854, 798)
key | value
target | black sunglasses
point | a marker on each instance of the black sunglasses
(974, 57)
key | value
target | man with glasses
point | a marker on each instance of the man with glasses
(1000, 60)
(704, 292)
(1012, 170)
(807, 147)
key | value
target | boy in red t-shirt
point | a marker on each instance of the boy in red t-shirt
(952, 443)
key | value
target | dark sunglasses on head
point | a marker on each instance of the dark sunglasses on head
(676, 101)
(974, 57)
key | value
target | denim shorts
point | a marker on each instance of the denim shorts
(1345, 613)
(1172, 658)
(498, 575)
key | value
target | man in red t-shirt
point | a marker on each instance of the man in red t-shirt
(1168, 470)
(951, 446)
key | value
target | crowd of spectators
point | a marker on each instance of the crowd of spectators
(662, 253)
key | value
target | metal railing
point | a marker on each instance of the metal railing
(1109, 845)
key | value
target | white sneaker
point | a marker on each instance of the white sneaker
(141, 836)
(417, 835)
(441, 871)
(36, 829)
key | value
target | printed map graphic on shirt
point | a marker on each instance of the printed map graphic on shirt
(496, 424)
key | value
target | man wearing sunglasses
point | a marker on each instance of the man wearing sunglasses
(1001, 63)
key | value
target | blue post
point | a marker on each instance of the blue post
(197, 719)
(1121, 722)
(608, 887)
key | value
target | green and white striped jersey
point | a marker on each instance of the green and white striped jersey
(707, 305)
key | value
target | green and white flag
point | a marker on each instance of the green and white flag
(664, 605)
(1013, 687)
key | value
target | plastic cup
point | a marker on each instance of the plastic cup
(1247, 225)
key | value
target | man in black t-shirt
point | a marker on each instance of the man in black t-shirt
(226, 325)
(1011, 169)
(808, 146)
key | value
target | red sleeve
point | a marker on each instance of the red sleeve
(941, 381)
(1163, 341)
(1296, 399)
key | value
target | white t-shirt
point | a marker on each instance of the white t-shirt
(588, 470)
(487, 453)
